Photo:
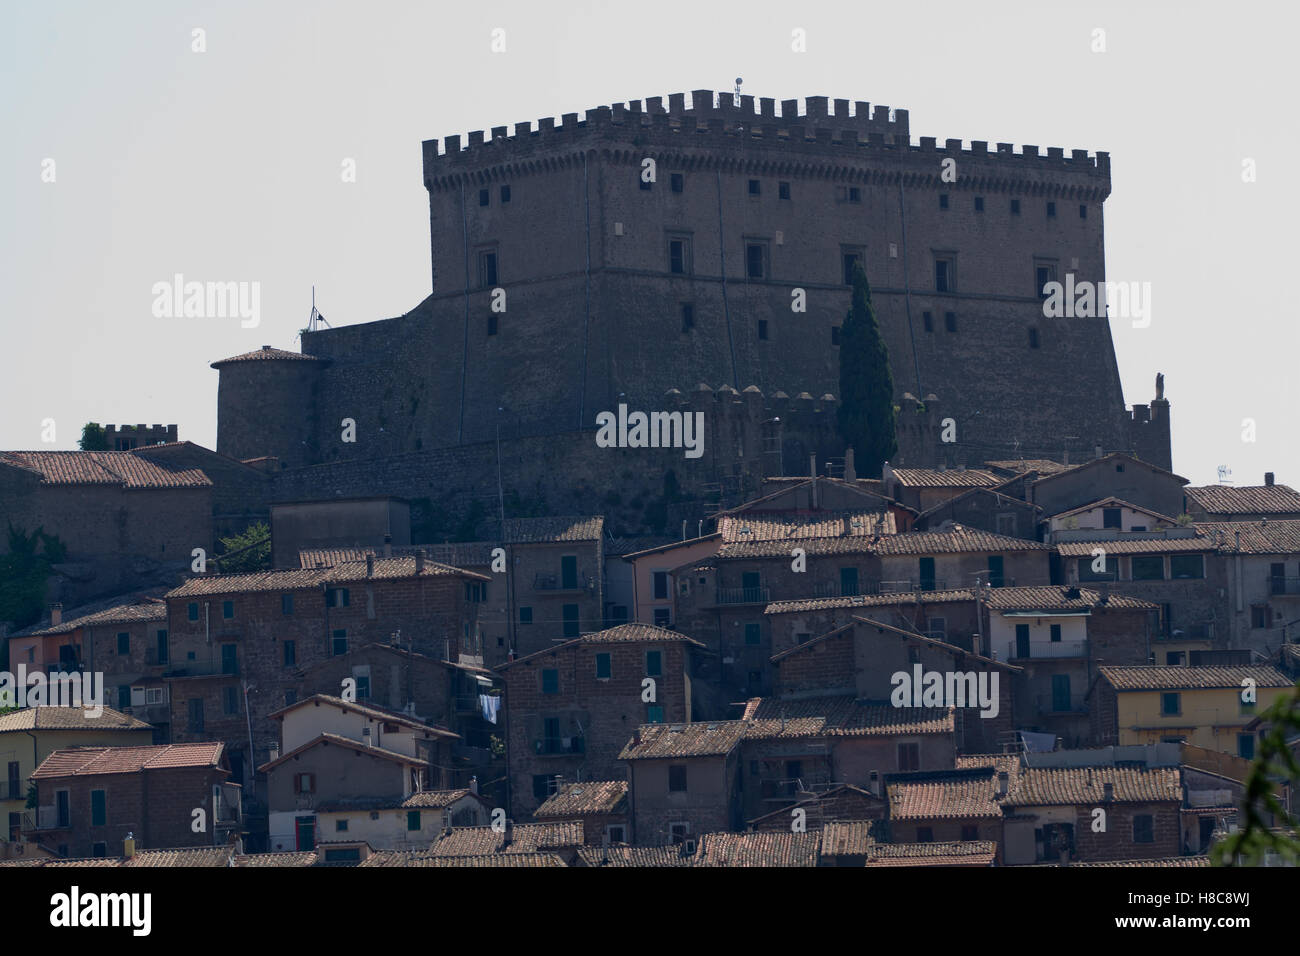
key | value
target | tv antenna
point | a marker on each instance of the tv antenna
(316, 320)
(736, 94)
(1224, 472)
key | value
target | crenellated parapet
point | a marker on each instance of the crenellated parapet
(835, 136)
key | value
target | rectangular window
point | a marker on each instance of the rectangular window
(195, 715)
(412, 820)
(1033, 338)
(1083, 211)
(677, 778)
(688, 316)
(1259, 616)
(783, 190)
(569, 614)
(525, 615)
(194, 610)
(943, 200)
(493, 326)
(1148, 567)
(484, 197)
(654, 714)
(98, 808)
(1044, 273)
(1144, 830)
(339, 642)
(660, 579)
(924, 834)
(505, 193)
(1056, 633)
(230, 658)
(925, 567)
(943, 277)
(676, 181)
(123, 696)
(679, 255)
(755, 264)
(762, 330)
(1061, 693)
(1015, 207)
(340, 826)
(568, 572)
(753, 634)
(603, 668)
(290, 654)
(969, 832)
(227, 609)
(662, 617)
(654, 663)
(286, 603)
(1246, 746)
(1108, 573)
(1171, 705)
(979, 203)
(848, 582)
(338, 597)
(852, 259)
(1186, 566)
(679, 832)
(755, 187)
(1112, 517)
(550, 681)
(909, 756)
(928, 319)
(1022, 640)
(229, 700)
(950, 321)
(1051, 210)
(855, 194)
(487, 268)
(997, 570)
(124, 643)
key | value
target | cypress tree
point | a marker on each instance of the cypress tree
(866, 414)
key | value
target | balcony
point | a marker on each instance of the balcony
(760, 595)
(903, 585)
(1280, 585)
(203, 669)
(554, 582)
(1047, 650)
(559, 746)
(45, 818)
(13, 790)
(1050, 704)
(1200, 631)
(152, 658)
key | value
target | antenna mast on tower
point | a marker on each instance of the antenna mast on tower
(316, 320)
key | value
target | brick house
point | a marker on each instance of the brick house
(684, 780)
(570, 709)
(1049, 813)
(1115, 475)
(90, 798)
(949, 616)
(841, 804)
(958, 805)
(985, 509)
(240, 640)
(601, 806)
(1242, 502)
(924, 488)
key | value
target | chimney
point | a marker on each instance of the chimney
(636, 736)
(1268, 479)
(128, 846)
(275, 751)
(812, 465)
(473, 785)
(367, 736)
(509, 835)
(388, 545)
(419, 561)
(850, 472)
(1096, 451)
(1002, 783)
(56, 614)
(1107, 792)
(370, 565)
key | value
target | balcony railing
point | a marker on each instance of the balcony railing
(759, 595)
(559, 745)
(1051, 704)
(153, 658)
(1280, 585)
(1047, 650)
(45, 818)
(203, 669)
(555, 582)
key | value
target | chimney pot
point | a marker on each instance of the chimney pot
(1268, 479)
(1108, 791)
(419, 561)
(388, 545)
(1002, 783)
(370, 565)
(56, 614)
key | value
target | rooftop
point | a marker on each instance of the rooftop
(123, 469)
(1191, 678)
(1244, 499)
(86, 761)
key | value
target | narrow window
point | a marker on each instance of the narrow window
(943, 200)
(851, 260)
(855, 194)
(688, 316)
(654, 663)
(487, 269)
(755, 187)
(1015, 207)
(603, 667)
(492, 323)
(227, 609)
(124, 643)
(762, 330)
(1033, 338)
(290, 654)
(928, 319)
(950, 321)
(194, 610)
(286, 603)
(483, 197)
(1083, 211)
(783, 190)
(505, 193)
(550, 681)
(754, 260)
(677, 778)
(677, 182)
(979, 203)
(340, 642)
(525, 615)
(1051, 210)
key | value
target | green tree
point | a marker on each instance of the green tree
(250, 550)
(25, 573)
(93, 438)
(1276, 762)
(867, 418)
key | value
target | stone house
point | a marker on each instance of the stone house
(1243, 502)
(949, 616)
(601, 806)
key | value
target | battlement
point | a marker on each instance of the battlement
(126, 437)
(713, 120)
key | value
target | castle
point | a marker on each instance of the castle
(649, 249)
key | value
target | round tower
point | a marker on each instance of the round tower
(266, 405)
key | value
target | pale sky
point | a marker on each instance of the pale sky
(226, 165)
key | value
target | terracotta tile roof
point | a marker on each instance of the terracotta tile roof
(1246, 499)
(493, 860)
(758, 849)
(868, 600)
(338, 740)
(1001, 763)
(582, 799)
(466, 554)
(945, 794)
(847, 839)
(196, 856)
(620, 855)
(1055, 598)
(298, 579)
(85, 861)
(1043, 466)
(1115, 456)
(631, 548)
(700, 739)
(147, 609)
(368, 710)
(123, 469)
(84, 761)
(1156, 544)
(1176, 861)
(622, 633)
(267, 354)
(525, 838)
(287, 858)
(433, 799)
(757, 534)
(548, 530)
(952, 503)
(955, 853)
(957, 539)
(1191, 678)
(68, 718)
(957, 478)
(1280, 536)
(840, 715)
(1058, 786)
